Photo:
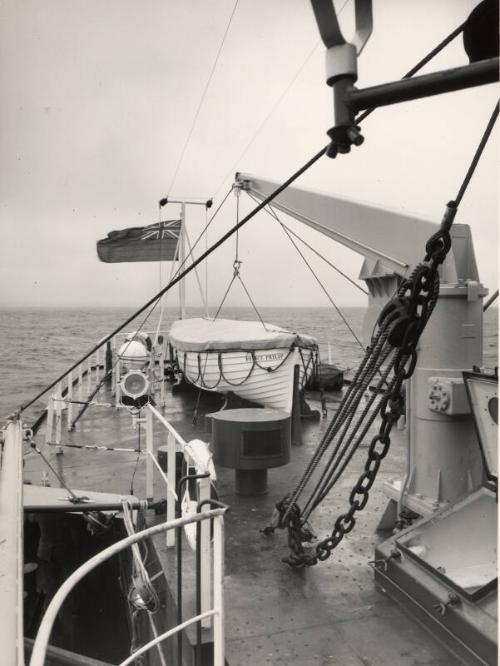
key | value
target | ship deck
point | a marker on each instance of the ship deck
(331, 613)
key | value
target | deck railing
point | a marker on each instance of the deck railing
(201, 471)
(79, 389)
(216, 611)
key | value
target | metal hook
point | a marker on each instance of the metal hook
(442, 606)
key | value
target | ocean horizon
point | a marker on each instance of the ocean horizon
(39, 343)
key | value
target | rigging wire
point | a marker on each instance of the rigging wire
(206, 262)
(274, 107)
(267, 118)
(236, 269)
(490, 301)
(198, 281)
(477, 156)
(202, 99)
(204, 232)
(137, 459)
(237, 193)
(271, 211)
(321, 256)
(273, 214)
(337, 309)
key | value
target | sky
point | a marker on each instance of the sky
(98, 99)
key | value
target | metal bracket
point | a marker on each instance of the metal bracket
(383, 563)
(329, 29)
(341, 67)
(442, 606)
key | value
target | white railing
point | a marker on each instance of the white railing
(197, 457)
(79, 388)
(76, 390)
(198, 460)
(216, 612)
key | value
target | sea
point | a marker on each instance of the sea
(39, 344)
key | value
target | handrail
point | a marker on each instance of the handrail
(45, 629)
(163, 475)
(167, 425)
(167, 634)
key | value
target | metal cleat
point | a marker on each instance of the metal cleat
(383, 562)
(442, 606)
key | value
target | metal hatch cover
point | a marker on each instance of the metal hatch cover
(458, 545)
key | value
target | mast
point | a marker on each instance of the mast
(182, 247)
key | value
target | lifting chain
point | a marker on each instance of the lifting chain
(404, 317)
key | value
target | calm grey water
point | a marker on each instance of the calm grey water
(36, 345)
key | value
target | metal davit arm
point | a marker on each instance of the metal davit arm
(394, 239)
(391, 242)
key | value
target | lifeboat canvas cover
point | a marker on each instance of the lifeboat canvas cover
(199, 334)
(156, 242)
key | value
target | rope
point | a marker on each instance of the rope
(206, 262)
(337, 309)
(137, 460)
(251, 301)
(202, 378)
(198, 281)
(204, 232)
(490, 301)
(96, 447)
(272, 212)
(477, 156)
(228, 381)
(142, 594)
(61, 480)
(225, 296)
(237, 192)
(202, 99)
(274, 107)
(318, 254)
(236, 270)
(255, 364)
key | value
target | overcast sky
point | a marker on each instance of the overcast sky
(97, 101)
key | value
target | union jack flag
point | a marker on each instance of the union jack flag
(156, 242)
(168, 229)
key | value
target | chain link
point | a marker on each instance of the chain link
(405, 317)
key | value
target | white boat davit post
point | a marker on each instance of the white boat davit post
(255, 361)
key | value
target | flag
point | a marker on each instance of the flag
(156, 242)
